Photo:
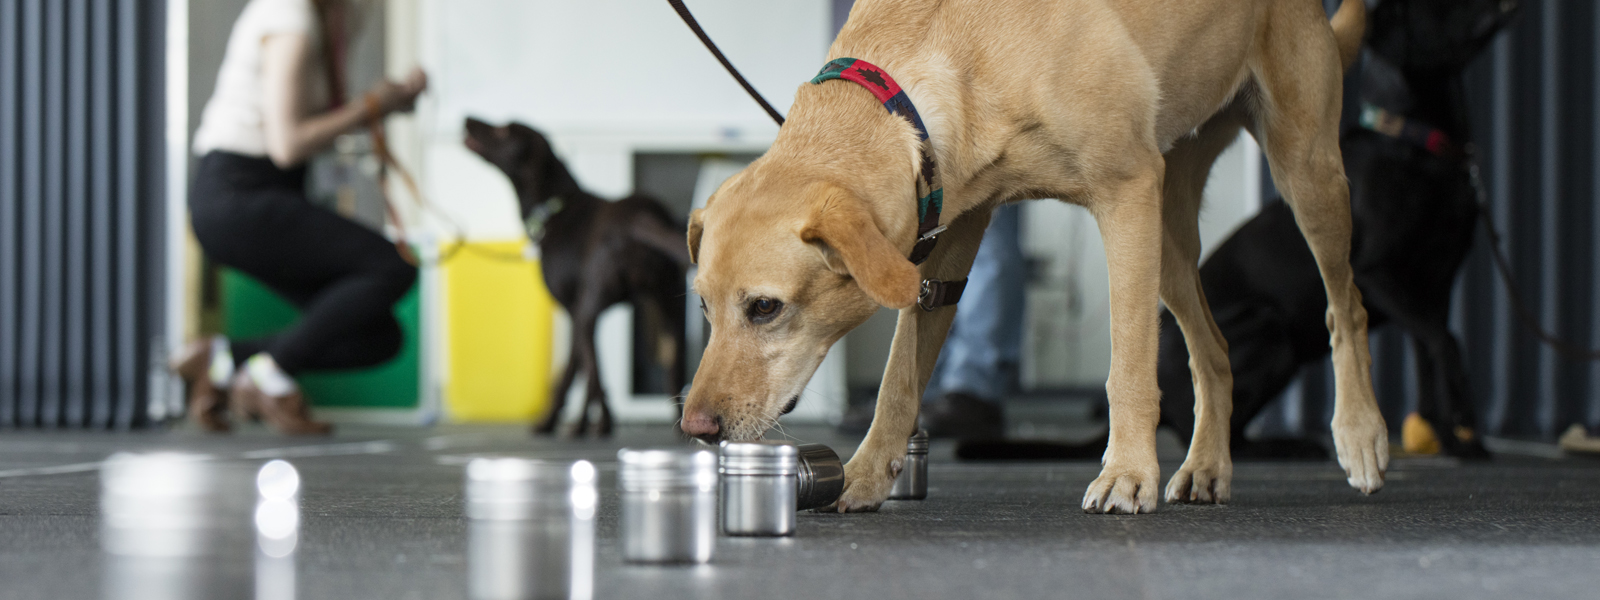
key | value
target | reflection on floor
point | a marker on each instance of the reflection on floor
(381, 516)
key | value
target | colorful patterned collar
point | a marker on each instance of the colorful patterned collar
(930, 189)
(1398, 127)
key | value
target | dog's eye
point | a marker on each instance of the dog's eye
(763, 310)
(703, 310)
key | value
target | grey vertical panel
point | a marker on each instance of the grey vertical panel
(1549, 243)
(1592, 414)
(101, 259)
(75, 370)
(32, 218)
(1499, 175)
(53, 199)
(9, 204)
(129, 409)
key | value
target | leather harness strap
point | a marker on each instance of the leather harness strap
(930, 189)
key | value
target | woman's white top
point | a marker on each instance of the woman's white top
(232, 120)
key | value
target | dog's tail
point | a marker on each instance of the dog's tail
(1349, 26)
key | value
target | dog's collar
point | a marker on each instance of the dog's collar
(541, 214)
(1416, 132)
(930, 188)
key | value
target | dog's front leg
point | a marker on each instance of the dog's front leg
(1129, 216)
(918, 337)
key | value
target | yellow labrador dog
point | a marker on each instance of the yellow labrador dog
(1119, 106)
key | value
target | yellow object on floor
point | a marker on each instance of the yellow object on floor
(498, 319)
(1416, 436)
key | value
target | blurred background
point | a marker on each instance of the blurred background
(100, 278)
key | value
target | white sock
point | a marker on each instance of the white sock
(221, 361)
(268, 376)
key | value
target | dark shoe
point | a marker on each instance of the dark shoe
(207, 405)
(288, 414)
(964, 417)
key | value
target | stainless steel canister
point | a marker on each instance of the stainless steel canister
(531, 529)
(669, 505)
(912, 484)
(759, 488)
(173, 527)
(820, 477)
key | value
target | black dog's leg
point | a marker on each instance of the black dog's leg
(583, 325)
(1448, 409)
(558, 395)
(1443, 402)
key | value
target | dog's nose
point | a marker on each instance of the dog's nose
(702, 424)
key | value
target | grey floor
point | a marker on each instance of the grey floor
(382, 519)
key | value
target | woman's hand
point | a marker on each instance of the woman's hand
(400, 96)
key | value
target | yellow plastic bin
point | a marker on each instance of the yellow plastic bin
(498, 318)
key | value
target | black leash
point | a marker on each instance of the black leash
(1503, 267)
(688, 19)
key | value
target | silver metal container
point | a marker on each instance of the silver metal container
(531, 529)
(759, 488)
(669, 505)
(912, 483)
(820, 477)
(173, 527)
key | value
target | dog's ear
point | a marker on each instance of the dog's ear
(841, 229)
(697, 226)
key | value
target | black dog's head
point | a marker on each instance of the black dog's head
(525, 156)
(1435, 34)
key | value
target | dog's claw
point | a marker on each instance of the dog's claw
(1205, 484)
(1363, 451)
(1123, 491)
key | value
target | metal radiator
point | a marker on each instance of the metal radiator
(81, 210)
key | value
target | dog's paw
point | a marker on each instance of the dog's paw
(1124, 489)
(1362, 443)
(1201, 482)
(867, 483)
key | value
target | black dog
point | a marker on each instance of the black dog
(1414, 210)
(595, 254)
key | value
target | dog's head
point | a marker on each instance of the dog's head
(787, 265)
(1435, 34)
(524, 155)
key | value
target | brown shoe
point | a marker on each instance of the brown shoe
(288, 414)
(207, 406)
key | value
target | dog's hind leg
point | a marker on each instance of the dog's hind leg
(558, 396)
(1296, 65)
(583, 325)
(1207, 472)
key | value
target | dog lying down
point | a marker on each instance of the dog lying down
(1117, 106)
(595, 254)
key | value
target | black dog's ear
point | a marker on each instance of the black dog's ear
(697, 227)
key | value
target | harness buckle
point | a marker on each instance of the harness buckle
(932, 291)
(931, 234)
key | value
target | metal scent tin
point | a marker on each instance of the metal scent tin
(174, 526)
(759, 488)
(669, 505)
(912, 484)
(531, 529)
(820, 480)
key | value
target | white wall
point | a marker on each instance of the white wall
(603, 79)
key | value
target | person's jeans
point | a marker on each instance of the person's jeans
(985, 341)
